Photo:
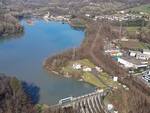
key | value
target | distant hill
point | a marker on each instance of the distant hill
(72, 1)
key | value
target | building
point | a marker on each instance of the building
(76, 66)
(125, 63)
(115, 79)
(133, 53)
(146, 52)
(130, 62)
(142, 56)
(87, 69)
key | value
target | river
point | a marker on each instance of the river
(22, 57)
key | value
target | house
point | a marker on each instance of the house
(76, 66)
(114, 52)
(87, 15)
(122, 12)
(115, 79)
(98, 69)
(87, 69)
(110, 107)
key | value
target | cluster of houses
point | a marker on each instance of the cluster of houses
(48, 17)
(78, 66)
(112, 50)
(121, 16)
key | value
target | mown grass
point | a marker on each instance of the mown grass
(90, 78)
(102, 80)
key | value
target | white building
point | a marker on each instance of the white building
(132, 63)
(87, 69)
(98, 69)
(110, 107)
(133, 53)
(115, 79)
(76, 66)
(126, 63)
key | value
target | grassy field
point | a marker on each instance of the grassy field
(84, 62)
(134, 29)
(102, 80)
(131, 44)
(134, 45)
(142, 8)
(90, 78)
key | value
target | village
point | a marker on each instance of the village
(123, 15)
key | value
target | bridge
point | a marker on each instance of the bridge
(89, 103)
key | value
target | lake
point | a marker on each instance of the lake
(22, 57)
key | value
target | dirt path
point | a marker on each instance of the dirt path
(94, 45)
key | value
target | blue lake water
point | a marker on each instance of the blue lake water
(23, 56)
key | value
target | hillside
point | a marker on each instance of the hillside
(13, 99)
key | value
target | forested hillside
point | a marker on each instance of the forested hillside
(9, 25)
(13, 99)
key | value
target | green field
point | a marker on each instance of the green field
(134, 29)
(84, 62)
(142, 8)
(101, 80)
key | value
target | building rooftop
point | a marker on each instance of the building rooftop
(135, 61)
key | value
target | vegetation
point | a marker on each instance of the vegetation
(13, 99)
(9, 25)
(92, 49)
(131, 101)
(101, 81)
(142, 8)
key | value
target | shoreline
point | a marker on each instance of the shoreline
(65, 57)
